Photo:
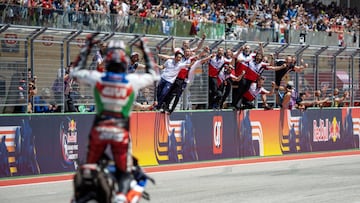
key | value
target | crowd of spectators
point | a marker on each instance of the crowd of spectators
(323, 97)
(275, 14)
(264, 14)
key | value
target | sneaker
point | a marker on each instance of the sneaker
(267, 107)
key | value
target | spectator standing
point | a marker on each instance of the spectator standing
(186, 45)
(283, 28)
(134, 64)
(170, 68)
(76, 97)
(183, 78)
(98, 58)
(226, 78)
(253, 71)
(61, 90)
(21, 97)
(114, 10)
(123, 16)
(338, 101)
(58, 86)
(215, 65)
(69, 102)
(290, 97)
(245, 54)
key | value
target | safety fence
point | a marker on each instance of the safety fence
(42, 54)
(70, 19)
(56, 143)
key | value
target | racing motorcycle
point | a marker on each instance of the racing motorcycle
(99, 183)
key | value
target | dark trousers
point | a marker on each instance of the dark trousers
(225, 89)
(244, 86)
(162, 91)
(176, 90)
(214, 93)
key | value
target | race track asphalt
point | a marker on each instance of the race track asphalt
(325, 179)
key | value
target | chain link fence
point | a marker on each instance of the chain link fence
(39, 56)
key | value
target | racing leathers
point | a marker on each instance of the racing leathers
(114, 93)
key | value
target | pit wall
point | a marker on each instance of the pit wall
(54, 143)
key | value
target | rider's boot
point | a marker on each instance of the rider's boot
(120, 198)
(135, 193)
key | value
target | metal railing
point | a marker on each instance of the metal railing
(67, 19)
(27, 52)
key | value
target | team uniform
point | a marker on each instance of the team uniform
(215, 65)
(168, 77)
(179, 84)
(279, 74)
(239, 68)
(225, 83)
(115, 94)
(253, 71)
(251, 94)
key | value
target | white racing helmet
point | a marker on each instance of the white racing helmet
(116, 59)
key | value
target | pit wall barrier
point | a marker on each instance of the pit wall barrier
(56, 143)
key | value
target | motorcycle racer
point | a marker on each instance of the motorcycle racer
(115, 92)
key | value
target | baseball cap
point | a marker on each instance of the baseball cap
(134, 53)
(290, 85)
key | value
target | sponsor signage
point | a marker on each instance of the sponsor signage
(217, 134)
(10, 43)
(326, 130)
(48, 40)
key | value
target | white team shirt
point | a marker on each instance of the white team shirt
(171, 70)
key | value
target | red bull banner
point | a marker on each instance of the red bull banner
(44, 144)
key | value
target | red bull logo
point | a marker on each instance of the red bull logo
(69, 145)
(72, 133)
(321, 131)
(326, 130)
(72, 125)
(335, 130)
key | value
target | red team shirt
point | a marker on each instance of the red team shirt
(254, 91)
(215, 64)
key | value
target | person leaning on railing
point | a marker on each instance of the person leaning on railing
(338, 101)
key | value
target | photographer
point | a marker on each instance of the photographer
(62, 87)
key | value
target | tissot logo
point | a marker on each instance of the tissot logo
(217, 134)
